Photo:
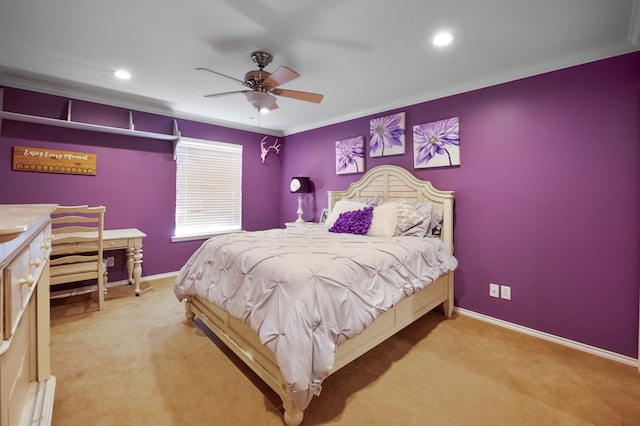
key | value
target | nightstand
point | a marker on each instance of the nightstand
(294, 224)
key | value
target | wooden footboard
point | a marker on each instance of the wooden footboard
(245, 343)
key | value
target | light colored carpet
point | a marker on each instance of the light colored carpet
(140, 362)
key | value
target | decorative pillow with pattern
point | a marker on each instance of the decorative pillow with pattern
(408, 217)
(353, 222)
(421, 229)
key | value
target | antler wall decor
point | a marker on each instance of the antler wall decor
(264, 150)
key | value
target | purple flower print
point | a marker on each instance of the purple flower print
(385, 132)
(432, 139)
(349, 151)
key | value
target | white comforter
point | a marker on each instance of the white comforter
(306, 290)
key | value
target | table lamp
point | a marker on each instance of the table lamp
(300, 185)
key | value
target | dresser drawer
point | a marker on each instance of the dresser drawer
(41, 245)
(19, 284)
(16, 373)
(116, 244)
(39, 250)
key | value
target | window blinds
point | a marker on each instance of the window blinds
(208, 187)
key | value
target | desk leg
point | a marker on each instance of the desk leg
(134, 266)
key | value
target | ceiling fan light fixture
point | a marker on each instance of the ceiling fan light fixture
(261, 101)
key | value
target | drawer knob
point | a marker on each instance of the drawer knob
(36, 262)
(29, 281)
(45, 246)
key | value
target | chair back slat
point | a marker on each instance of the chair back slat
(74, 210)
(76, 260)
(68, 249)
(85, 268)
(71, 219)
(77, 276)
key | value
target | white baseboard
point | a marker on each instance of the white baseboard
(40, 412)
(550, 337)
(166, 275)
(144, 279)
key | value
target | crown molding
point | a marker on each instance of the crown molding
(556, 64)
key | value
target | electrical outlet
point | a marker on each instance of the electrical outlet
(494, 290)
(505, 292)
(110, 261)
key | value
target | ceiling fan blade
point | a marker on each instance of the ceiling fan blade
(221, 75)
(214, 95)
(280, 76)
(301, 96)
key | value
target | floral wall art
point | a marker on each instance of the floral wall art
(350, 155)
(386, 135)
(436, 144)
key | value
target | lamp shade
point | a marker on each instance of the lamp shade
(300, 185)
(261, 101)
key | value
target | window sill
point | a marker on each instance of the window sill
(180, 238)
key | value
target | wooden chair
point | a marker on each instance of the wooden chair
(77, 248)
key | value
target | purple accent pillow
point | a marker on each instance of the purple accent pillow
(353, 222)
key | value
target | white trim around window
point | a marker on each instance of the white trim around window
(208, 189)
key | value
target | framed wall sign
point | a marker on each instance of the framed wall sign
(44, 160)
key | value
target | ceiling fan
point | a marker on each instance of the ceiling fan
(263, 84)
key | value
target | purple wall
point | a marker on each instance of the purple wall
(135, 177)
(547, 196)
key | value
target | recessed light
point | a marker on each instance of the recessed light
(122, 74)
(442, 39)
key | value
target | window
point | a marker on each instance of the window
(208, 188)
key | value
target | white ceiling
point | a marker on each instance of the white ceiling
(365, 56)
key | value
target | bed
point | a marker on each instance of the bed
(362, 288)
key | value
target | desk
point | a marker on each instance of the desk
(129, 239)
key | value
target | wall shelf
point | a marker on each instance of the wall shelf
(14, 116)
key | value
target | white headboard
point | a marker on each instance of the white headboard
(394, 183)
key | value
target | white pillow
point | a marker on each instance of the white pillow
(384, 220)
(344, 205)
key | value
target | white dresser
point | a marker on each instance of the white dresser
(26, 384)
